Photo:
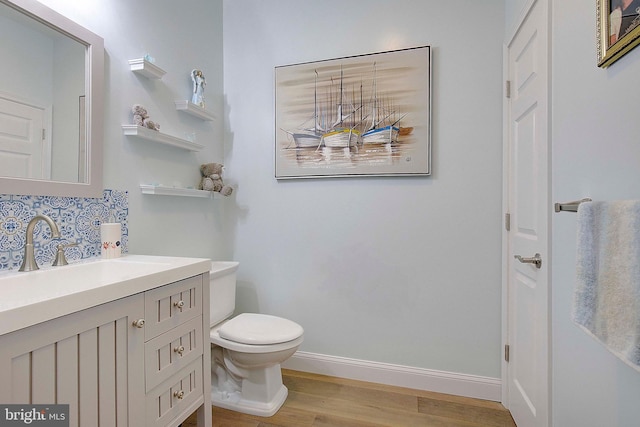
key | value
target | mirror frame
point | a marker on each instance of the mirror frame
(94, 89)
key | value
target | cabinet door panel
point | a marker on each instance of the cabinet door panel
(92, 360)
(66, 372)
(43, 368)
(107, 392)
(19, 378)
(88, 374)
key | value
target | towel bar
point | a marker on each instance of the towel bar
(570, 206)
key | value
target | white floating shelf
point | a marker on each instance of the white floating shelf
(156, 136)
(161, 190)
(146, 68)
(195, 110)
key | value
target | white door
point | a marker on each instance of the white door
(527, 192)
(24, 147)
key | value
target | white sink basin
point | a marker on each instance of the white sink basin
(27, 298)
(65, 275)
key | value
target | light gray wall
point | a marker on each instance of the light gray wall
(596, 153)
(397, 270)
(180, 36)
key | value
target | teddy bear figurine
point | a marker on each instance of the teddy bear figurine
(211, 179)
(141, 118)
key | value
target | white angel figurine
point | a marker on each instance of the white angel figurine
(198, 87)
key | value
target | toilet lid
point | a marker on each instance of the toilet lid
(251, 328)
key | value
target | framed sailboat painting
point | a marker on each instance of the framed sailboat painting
(365, 115)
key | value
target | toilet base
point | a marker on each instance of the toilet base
(235, 402)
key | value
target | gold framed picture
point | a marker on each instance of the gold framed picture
(618, 29)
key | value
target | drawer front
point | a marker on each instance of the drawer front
(175, 395)
(169, 306)
(171, 351)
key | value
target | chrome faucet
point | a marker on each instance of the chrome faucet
(29, 260)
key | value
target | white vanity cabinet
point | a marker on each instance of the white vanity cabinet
(140, 360)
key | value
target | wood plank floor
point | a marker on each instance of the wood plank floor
(322, 401)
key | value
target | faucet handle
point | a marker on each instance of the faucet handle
(60, 258)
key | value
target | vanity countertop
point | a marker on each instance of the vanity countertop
(37, 296)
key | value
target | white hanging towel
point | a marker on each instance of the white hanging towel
(607, 292)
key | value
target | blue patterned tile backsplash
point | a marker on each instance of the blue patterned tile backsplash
(78, 219)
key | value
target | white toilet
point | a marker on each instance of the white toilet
(246, 351)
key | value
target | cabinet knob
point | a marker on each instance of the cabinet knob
(179, 350)
(179, 304)
(138, 323)
(178, 394)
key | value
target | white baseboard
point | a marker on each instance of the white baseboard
(397, 375)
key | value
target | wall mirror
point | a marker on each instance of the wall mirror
(51, 103)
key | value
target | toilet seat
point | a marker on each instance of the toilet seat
(259, 329)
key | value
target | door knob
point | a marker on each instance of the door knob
(535, 260)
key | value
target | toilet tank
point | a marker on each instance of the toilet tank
(222, 299)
